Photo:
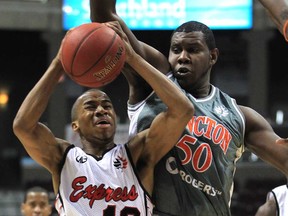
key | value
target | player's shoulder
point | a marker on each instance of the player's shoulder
(63, 145)
(253, 117)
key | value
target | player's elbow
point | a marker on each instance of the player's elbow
(189, 107)
(190, 110)
(19, 126)
(187, 111)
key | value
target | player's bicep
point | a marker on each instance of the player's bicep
(260, 139)
(258, 132)
(42, 146)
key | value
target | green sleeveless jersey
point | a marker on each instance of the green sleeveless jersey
(196, 177)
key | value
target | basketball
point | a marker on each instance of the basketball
(92, 54)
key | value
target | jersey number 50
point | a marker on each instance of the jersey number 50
(203, 150)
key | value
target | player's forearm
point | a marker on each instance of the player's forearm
(102, 10)
(36, 101)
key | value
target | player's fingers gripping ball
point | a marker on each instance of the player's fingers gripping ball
(92, 54)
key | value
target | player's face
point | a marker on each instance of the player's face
(190, 59)
(96, 117)
(37, 204)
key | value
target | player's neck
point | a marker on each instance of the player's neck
(202, 92)
(98, 151)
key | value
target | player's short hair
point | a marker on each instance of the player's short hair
(35, 189)
(74, 110)
(194, 26)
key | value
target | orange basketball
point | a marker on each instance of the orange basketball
(93, 54)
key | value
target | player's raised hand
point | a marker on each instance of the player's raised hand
(115, 25)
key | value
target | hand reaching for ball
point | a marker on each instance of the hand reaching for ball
(130, 53)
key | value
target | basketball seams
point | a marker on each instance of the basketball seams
(78, 48)
(95, 53)
(103, 54)
(107, 79)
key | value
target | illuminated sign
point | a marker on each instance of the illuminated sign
(168, 14)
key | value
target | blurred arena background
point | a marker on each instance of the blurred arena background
(251, 68)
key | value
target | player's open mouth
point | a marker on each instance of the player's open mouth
(182, 71)
(103, 123)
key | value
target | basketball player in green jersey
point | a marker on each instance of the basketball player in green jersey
(196, 176)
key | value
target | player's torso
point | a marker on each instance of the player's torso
(101, 187)
(196, 177)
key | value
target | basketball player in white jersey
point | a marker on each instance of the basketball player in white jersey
(102, 178)
(277, 199)
(276, 203)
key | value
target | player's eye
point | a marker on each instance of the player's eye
(175, 49)
(90, 107)
(107, 106)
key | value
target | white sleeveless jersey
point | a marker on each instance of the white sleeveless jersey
(104, 187)
(281, 196)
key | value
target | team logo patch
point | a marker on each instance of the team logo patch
(81, 159)
(221, 111)
(120, 163)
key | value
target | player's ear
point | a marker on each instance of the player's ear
(75, 126)
(214, 53)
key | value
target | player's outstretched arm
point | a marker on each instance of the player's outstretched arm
(36, 138)
(278, 11)
(261, 139)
